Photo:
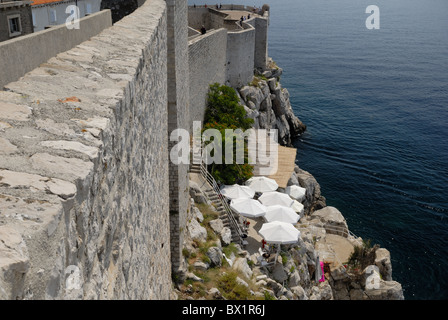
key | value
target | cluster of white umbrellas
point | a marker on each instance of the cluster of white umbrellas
(279, 210)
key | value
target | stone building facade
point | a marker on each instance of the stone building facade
(15, 19)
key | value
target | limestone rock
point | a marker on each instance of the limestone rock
(340, 291)
(276, 72)
(278, 273)
(339, 273)
(253, 94)
(382, 261)
(196, 193)
(325, 291)
(284, 136)
(294, 279)
(261, 277)
(216, 225)
(313, 198)
(266, 104)
(299, 292)
(197, 213)
(291, 182)
(275, 286)
(242, 282)
(357, 294)
(196, 231)
(201, 265)
(271, 83)
(226, 236)
(14, 263)
(295, 125)
(215, 255)
(215, 294)
(388, 290)
(192, 276)
(333, 220)
(240, 265)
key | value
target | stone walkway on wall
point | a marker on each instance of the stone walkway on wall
(237, 14)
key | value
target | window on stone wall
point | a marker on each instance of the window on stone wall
(88, 8)
(53, 17)
(15, 27)
(33, 14)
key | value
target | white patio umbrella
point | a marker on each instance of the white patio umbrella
(236, 191)
(297, 207)
(296, 192)
(281, 213)
(249, 208)
(262, 184)
(276, 198)
(278, 232)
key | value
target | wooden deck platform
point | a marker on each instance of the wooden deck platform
(281, 169)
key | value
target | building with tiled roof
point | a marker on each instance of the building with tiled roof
(47, 13)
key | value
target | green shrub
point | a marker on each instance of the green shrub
(185, 253)
(268, 296)
(362, 256)
(284, 257)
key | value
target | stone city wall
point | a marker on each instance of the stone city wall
(261, 26)
(223, 54)
(198, 17)
(207, 63)
(25, 53)
(240, 56)
(84, 208)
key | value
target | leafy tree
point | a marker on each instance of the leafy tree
(224, 112)
(223, 107)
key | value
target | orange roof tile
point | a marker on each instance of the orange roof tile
(38, 2)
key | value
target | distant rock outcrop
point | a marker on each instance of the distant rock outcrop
(268, 104)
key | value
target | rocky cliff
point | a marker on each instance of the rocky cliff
(354, 270)
(267, 102)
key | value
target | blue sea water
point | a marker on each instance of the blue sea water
(375, 103)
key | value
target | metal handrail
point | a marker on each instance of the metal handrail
(214, 185)
(212, 182)
(344, 231)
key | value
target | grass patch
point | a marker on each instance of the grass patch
(231, 248)
(257, 80)
(231, 289)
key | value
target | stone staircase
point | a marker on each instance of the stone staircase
(223, 215)
(217, 200)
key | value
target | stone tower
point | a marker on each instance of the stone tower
(178, 117)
